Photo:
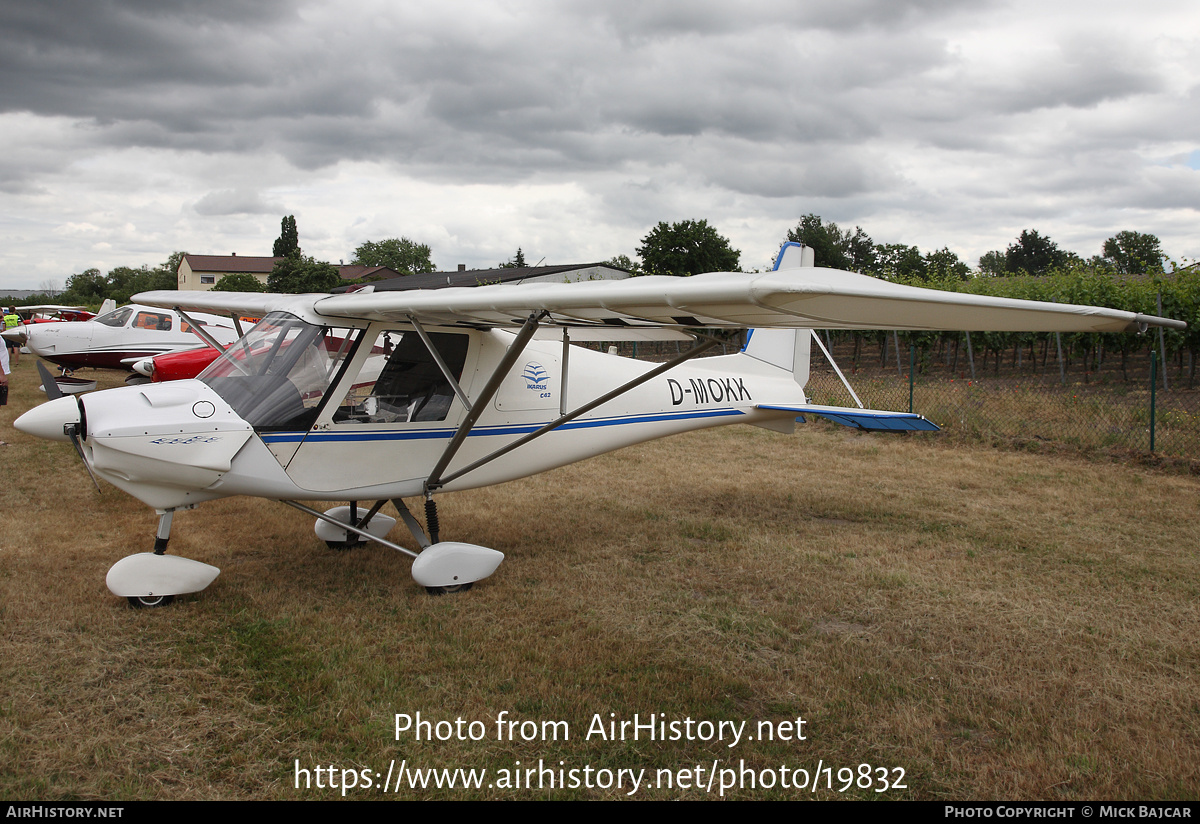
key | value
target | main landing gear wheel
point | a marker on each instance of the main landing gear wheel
(150, 601)
(343, 546)
(450, 589)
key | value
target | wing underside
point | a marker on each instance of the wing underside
(797, 298)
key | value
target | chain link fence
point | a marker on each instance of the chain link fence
(1040, 390)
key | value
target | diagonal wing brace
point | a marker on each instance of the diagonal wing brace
(435, 480)
(510, 357)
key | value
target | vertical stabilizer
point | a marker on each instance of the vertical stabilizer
(785, 348)
(794, 255)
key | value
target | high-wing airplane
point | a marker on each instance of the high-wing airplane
(52, 313)
(116, 339)
(375, 397)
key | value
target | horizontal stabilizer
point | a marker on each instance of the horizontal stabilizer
(871, 420)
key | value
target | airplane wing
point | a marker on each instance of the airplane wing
(225, 303)
(807, 297)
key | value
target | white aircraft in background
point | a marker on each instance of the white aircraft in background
(120, 337)
(375, 397)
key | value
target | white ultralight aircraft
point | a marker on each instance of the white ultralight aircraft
(379, 396)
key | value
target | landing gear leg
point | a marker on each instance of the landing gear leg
(164, 532)
(445, 567)
(431, 518)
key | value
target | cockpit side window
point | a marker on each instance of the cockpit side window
(400, 382)
(159, 321)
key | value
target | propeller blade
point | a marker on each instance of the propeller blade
(72, 431)
(49, 385)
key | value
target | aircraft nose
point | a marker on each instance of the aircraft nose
(15, 335)
(47, 421)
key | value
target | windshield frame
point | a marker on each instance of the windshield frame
(280, 374)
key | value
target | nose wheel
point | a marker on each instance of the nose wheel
(450, 589)
(149, 601)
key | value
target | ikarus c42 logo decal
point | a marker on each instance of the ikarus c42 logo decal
(532, 386)
(537, 379)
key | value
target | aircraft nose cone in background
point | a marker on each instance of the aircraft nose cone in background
(47, 421)
(144, 366)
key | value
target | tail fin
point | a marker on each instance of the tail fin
(794, 255)
(786, 348)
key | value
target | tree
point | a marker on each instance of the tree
(397, 253)
(852, 251)
(992, 264)
(1133, 253)
(516, 262)
(296, 274)
(288, 242)
(88, 286)
(895, 261)
(172, 263)
(239, 282)
(687, 248)
(623, 262)
(1034, 254)
(945, 265)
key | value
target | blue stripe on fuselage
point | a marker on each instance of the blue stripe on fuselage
(326, 436)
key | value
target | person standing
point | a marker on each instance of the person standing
(4, 370)
(11, 319)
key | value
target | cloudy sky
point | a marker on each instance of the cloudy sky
(134, 128)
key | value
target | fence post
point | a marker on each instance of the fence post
(1062, 368)
(1153, 385)
(912, 371)
(1162, 345)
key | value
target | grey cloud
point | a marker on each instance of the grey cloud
(636, 21)
(235, 202)
(657, 111)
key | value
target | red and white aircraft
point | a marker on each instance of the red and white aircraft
(118, 338)
(375, 397)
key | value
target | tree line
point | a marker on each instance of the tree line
(682, 248)
(693, 246)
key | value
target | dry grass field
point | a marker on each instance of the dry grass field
(995, 625)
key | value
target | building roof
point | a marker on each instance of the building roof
(476, 277)
(232, 263)
(225, 264)
(356, 271)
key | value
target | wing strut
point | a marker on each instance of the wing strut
(562, 383)
(833, 363)
(200, 332)
(510, 357)
(698, 349)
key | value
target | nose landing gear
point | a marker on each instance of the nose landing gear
(153, 579)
